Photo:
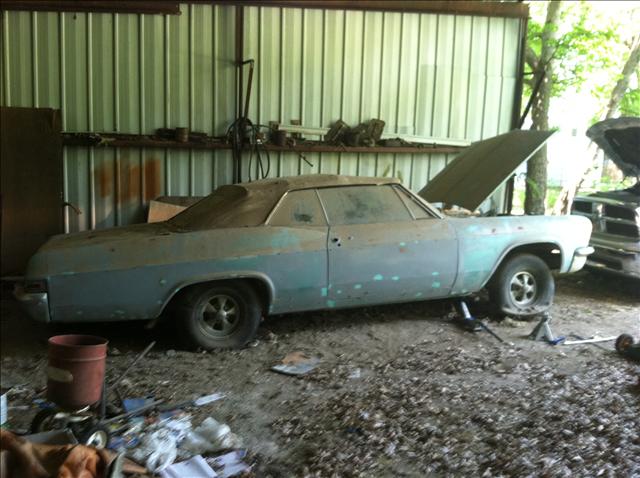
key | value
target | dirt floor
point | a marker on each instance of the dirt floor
(399, 390)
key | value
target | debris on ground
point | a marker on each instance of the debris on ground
(296, 363)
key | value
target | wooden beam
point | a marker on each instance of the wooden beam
(116, 6)
(460, 7)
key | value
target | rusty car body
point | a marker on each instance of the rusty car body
(297, 244)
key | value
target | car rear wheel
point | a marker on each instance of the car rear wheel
(522, 286)
(219, 315)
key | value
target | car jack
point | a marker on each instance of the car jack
(471, 323)
(542, 331)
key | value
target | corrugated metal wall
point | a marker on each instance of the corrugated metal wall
(424, 74)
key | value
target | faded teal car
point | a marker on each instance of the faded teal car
(296, 244)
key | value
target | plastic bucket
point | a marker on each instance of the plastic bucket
(75, 374)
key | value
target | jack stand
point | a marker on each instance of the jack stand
(470, 323)
(542, 331)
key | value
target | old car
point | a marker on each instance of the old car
(615, 214)
(296, 244)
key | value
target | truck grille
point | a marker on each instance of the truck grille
(608, 218)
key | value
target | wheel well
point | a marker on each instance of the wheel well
(259, 286)
(544, 251)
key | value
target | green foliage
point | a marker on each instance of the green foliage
(630, 104)
(584, 44)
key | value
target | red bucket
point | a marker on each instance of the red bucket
(75, 374)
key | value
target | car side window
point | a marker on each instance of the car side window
(417, 209)
(299, 208)
(363, 205)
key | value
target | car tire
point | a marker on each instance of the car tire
(522, 286)
(219, 315)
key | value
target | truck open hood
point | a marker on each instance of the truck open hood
(619, 138)
(478, 171)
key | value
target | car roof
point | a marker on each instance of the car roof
(279, 186)
(249, 204)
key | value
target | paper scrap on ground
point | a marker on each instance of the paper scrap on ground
(230, 464)
(195, 467)
(198, 402)
(296, 363)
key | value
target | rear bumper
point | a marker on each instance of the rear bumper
(36, 304)
(618, 261)
(580, 258)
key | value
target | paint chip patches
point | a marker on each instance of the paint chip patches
(418, 294)
(339, 291)
(323, 292)
(163, 281)
(403, 244)
(435, 274)
(357, 286)
(331, 303)
(396, 278)
(435, 284)
(378, 277)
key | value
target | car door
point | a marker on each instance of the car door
(298, 265)
(379, 252)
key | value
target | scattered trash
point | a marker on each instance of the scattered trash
(210, 436)
(131, 404)
(355, 373)
(157, 450)
(296, 363)
(230, 464)
(195, 467)
(206, 399)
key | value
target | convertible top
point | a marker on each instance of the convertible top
(249, 204)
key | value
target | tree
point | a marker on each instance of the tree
(542, 68)
(561, 53)
(630, 107)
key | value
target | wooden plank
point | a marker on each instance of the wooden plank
(123, 6)
(476, 8)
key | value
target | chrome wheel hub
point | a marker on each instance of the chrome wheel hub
(523, 288)
(219, 315)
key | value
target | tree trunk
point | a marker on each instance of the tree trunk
(623, 82)
(536, 186)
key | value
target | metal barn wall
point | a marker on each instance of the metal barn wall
(433, 75)
(130, 73)
(425, 74)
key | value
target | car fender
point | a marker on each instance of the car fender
(217, 276)
(515, 246)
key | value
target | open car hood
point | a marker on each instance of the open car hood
(619, 138)
(478, 171)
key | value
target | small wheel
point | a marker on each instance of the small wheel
(96, 436)
(219, 315)
(522, 286)
(44, 421)
(623, 343)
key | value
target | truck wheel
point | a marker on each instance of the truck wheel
(522, 286)
(219, 315)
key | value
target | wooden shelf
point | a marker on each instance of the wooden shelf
(110, 140)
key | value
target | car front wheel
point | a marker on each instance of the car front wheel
(522, 286)
(219, 315)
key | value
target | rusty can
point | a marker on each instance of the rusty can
(75, 373)
(279, 137)
(182, 135)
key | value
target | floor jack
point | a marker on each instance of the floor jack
(471, 323)
(542, 331)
